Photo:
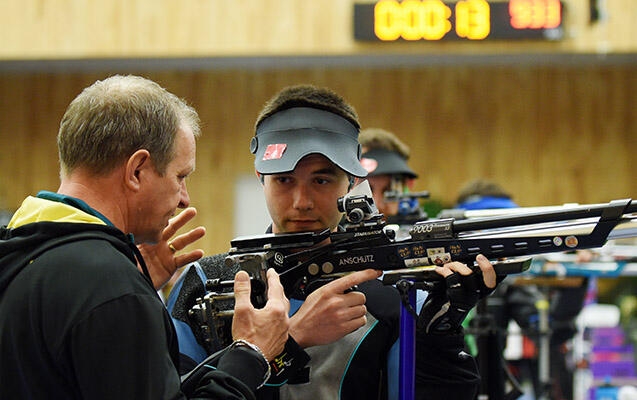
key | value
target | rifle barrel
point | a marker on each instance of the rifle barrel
(618, 207)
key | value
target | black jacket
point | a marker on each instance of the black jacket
(443, 370)
(79, 321)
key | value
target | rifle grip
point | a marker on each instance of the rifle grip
(256, 265)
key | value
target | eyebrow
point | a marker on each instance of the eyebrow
(326, 171)
(323, 171)
(188, 170)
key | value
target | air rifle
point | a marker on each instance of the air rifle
(306, 261)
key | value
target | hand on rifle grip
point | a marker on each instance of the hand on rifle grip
(332, 311)
(266, 327)
(447, 305)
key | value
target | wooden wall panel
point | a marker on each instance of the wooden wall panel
(550, 134)
(80, 29)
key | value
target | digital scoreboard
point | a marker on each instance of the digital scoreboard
(472, 20)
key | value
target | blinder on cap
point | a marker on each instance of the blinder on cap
(254, 144)
(382, 161)
(287, 136)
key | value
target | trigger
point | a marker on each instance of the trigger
(316, 284)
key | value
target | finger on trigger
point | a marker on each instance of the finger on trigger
(348, 281)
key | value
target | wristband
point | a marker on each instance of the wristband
(243, 342)
(286, 366)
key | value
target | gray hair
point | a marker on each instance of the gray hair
(113, 118)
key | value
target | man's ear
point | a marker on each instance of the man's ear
(260, 176)
(353, 181)
(138, 164)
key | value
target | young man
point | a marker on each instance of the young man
(385, 160)
(78, 319)
(307, 156)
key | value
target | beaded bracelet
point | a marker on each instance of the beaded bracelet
(243, 342)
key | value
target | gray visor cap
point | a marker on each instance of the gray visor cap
(388, 162)
(284, 138)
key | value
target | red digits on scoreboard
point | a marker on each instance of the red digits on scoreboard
(535, 14)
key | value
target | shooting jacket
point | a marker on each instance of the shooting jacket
(79, 321)
(361, 365)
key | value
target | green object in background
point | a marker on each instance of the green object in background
(432, 207)
(470, 340)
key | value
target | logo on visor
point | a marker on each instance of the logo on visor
(274, 151)
(369, 164)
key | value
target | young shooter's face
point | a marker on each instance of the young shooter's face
(306, 199)
(379, 185)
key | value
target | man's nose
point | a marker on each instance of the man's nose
(184, 197)
(302, 198)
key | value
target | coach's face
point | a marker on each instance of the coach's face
(160, 195)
